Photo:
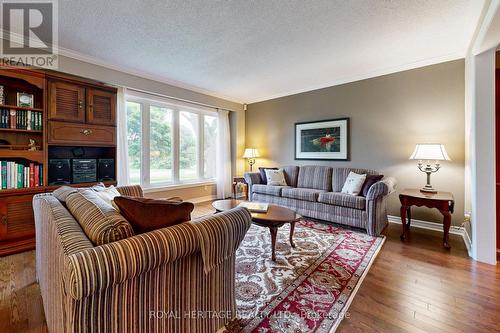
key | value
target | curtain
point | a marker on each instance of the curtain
(122, 176)
(223, 156)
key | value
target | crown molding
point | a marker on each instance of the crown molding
(162, 79)
(364, 76)
(145, 75)
(66, 52)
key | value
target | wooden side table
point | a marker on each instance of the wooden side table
(443, 201)
(236, 180)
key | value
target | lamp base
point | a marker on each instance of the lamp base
(428, 190)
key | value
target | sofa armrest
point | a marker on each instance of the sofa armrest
(98, 268)
(252, 178)
(131, 190)
(384, 187)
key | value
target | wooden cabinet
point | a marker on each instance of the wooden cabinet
(76, 113)
(17, 226)
(81, 134)
(67, 102)
(81, 113)
(79, 103)
(101, 107)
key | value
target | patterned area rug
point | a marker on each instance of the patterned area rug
(309, 287)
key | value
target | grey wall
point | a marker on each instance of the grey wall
(389, 115)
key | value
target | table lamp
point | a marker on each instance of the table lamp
(429, 152)
(250, 154)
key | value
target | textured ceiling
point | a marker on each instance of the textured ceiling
(255, 50)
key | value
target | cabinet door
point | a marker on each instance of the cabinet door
(101, 107)
(16, 217)
(67, 102)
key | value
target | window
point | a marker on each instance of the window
(170, 142)
(189, 145)
(134, 139)
(160, 145)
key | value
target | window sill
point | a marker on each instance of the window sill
(177, 186)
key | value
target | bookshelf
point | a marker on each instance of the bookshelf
(22, 114)
(16, 213)
(74, 114)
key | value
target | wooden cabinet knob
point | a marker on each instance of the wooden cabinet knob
(4, 219)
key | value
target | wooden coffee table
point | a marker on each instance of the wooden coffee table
(275, 217)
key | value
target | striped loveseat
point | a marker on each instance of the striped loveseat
(175, 279)
(315, 191)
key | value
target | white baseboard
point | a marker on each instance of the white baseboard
(435, 227)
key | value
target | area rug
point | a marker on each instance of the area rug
(310, 287)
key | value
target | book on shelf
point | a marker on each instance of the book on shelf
(255, 207)
(21, 119)
(15, 175)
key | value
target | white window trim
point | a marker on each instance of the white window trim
(146, 101)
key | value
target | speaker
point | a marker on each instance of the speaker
(59, 171)
(84, 170)
(105, 169)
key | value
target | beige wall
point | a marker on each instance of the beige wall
(389, 115)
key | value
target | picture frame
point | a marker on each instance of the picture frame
(25, 100)
(323, 140)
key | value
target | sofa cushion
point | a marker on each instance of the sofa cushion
(263, 177)
(108, 194)
(275, 177)
(101, 223)
(340, 175)
(307, 194)
(370, 180)
(341, 199)
(63, 192)
(291, 175)
(315, 177)
(354, 183)
(268, 189)
(151, 214)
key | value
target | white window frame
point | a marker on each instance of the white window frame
(146, 101)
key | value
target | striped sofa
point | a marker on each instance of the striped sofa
(175, 279)
(315, 191)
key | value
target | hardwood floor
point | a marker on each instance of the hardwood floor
(418, 286)
(415, 286)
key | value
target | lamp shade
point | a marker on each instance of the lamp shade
(430, 151)
(251, 153)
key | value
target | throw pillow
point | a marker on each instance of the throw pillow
(353, 183)
(263, 176)
(98, 187)
(370, 180)
(275, 177)
(101, 223)
(63, 192)
(151, 214)
(108, 194)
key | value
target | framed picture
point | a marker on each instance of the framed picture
(25, 100)
(322, 140)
